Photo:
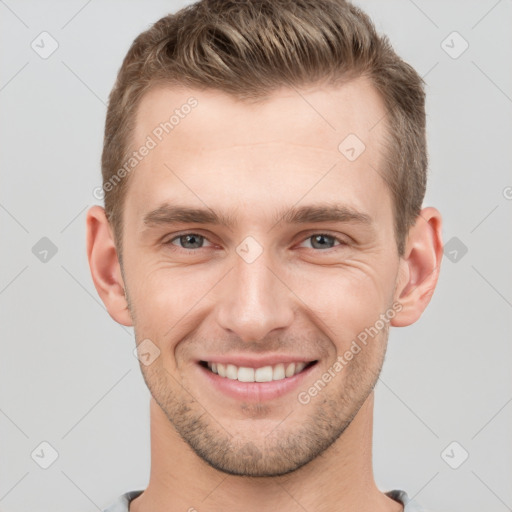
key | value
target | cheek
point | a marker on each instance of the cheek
(347, 300)
(167, 300)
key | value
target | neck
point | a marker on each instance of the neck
(340, 479)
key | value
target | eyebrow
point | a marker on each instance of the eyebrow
(167, 214)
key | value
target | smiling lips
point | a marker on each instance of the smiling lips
(253, 378)
(267, 373)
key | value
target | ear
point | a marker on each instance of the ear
(105, 267)
(419, 267)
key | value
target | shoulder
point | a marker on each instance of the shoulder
(409, 504)
(122, 503)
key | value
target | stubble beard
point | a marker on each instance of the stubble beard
(292, 444)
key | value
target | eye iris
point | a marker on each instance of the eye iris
(195, 240)
(322, 239)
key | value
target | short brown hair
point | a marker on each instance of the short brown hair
(248, 48)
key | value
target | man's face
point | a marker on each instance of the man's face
(266, 290)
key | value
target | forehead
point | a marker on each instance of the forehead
(209, 143)
(319, 116)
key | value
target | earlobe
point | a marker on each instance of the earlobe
(419, 267)
(105, 267)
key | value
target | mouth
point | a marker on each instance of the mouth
(256, 383)
(268, 373)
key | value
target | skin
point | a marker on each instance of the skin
(300, 296)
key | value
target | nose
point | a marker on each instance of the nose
(255, 300)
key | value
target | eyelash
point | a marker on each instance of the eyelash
(175, 247)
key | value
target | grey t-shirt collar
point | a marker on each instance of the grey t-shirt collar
(122, 504)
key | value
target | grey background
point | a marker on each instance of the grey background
(67, 372)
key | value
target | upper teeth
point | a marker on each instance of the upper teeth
(263, 374)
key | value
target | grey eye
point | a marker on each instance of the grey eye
(190, 241)
(321, 241)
